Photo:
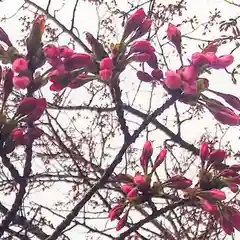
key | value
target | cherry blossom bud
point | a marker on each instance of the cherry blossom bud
(233, 187)
(50, 51)
(234, 217)
(17, 135)
(160, 158)
(174, 35)
(189, 74)
(226, 225)
(140, 180)
(105, 75)
(172, 80)
(228, 173)
(143, 76)
(216, 194)
(8, 82)
(133, 22)
(143, 29)
(226, 118)
(77, 60)
(27, 105)
(20, 65)
(115, 212)
(142, 46)
(140, 57)
(65, 52)
(224, 61)
(121, 222)
(217, 156)
(204, 151)
(212, 59)
(126, 188)
(235, 167)
(190, 89)
(152, 61)
(133, 193)
(106, 63)
(157, 74)
(199, 59)
(38, 111)
(211, 47)
(207, 206)
(21, 82)
(146, 155)
(178, 182)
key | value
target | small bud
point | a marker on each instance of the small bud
(50, 51)
(77, 60)
(178, 182)
(199, 59)
(152, 61)
(126, 188)
(160, 158)
(216, 194)
(121, 222)
(146, 155)
(17, 135)
(106, 63)
(115, 212)
(217, 156)
(133, 193)
(204, 151)
(226, 225)
(21, 82)
(105, 75)
(174, 35)
(20, 65)
(64, 52)
(143, 76)
(173, 80)
(157, 74)
(142, 46)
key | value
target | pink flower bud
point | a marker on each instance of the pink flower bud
(235, 167)
(174, 35)
(152, 61)
(140, 57)
(234, 217)
(226, 225)
(228, 173)
(143, 76)
(106, 63)
(38, 111)
(77, 60)
(126, 188)
(8, 82)
(105, 75)
(50, 51)
(199, 59)
(133, 193)
(212, 59)
(134, 21)
(189, 89)
(207, 206)
(224, 61)
(142, 46)
(143, 29)
(146, 155)
(140, 179)
(27, 105)
(121, 222)
(64, 52)
(21, 82)
(217, 156)
(233, 187)
(115, 212)
(216, 194)
(172, 80)
(204, 151)
(211, 47)
(17, 135)
(189, 74)
(157, 74)
(160, 158)
(226, 118)
(178, 182)
(20, 65)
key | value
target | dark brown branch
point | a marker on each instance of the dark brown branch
(67, 221)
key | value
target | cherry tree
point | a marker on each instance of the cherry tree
(121, 133)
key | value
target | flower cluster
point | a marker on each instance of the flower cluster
(140, 189)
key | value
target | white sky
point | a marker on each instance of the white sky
(86, 21)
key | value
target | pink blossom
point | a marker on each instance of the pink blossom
(174, 35)
(105, 74)
(204, 151)
(217, 194)
(50, 51)
(142, 46)
(126, 188)
(21, 82)
(160, 158)
(146, 155)
(106, 63)
(20, 65)
(115, 212)
(199, 59)
(172, 80)
(121, 222)
(65, 52)
(133, 193)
